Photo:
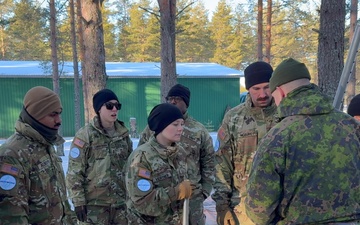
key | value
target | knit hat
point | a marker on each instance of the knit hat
(354, 106)
(40, 101)
(288, 70)
(103, 96)
(162, 115)
(181, 91)
(257, 73)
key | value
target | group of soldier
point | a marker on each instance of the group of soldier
(285, 156)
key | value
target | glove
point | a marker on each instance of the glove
(184, 190)
(81, 213)
(226, 217)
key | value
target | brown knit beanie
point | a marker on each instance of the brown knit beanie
(41, 101)
(288, 70)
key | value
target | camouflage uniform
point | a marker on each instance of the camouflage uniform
(152, 172)
(95, 177)
(196, 138)
(307, 168)
(242, 127)
(32, 182)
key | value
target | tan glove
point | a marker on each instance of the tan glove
(184, 190)
(226, 217)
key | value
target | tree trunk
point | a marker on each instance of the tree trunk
(54, 61)
(268, 32)
(350, 90)
(76, 67)
(331, 45)
(94, 76)
(260, 30)
(167, 32)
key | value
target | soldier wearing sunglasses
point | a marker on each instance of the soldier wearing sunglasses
(95, 176)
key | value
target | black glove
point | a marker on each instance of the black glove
(81, 213)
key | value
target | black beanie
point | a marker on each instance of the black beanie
(257, 73)
(103, 96)
(354, 106)
(180, 91)
(162, 115)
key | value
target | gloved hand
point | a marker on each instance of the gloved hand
(184, 189)
(81, 212)
(226, 217)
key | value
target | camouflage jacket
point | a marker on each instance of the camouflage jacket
(242, 127)
(307, 168)
(197, 139)
(152, 172)
(95, 175)
(32, 182)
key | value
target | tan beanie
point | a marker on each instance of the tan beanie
(41, 101)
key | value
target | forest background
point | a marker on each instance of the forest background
(229, 36)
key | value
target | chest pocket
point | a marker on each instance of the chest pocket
(119, 150)
(162, 177)
(191, 143)
(41, 176)
(245, 151)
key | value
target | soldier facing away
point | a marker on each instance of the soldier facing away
(98, 153)
(242, 127)
(157, 172)
(307, 168)
(32, 182)
(197, 141)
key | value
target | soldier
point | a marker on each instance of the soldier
(197, 141)
(307, 168)
(354, 107)
(95, 177)
(242, 127)
(157, 171)
(32, 182)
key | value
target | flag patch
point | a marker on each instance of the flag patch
(10, 169)
(144, 173)
(221, 133)
(78, 142)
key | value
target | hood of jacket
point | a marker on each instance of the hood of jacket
(305, 100)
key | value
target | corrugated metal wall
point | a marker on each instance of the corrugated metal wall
(209, 99)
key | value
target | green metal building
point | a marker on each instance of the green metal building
(214, 88)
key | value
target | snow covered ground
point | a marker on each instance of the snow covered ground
(209, 204)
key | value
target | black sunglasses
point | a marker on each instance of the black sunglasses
(110, 105)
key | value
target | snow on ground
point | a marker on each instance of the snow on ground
(209, 204)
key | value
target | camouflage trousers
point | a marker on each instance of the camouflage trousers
(240, 213)
(102, 215)
(196, 212)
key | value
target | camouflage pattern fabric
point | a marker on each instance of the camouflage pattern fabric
(198, 142)
(32, 182)
(105, 215)
(307, 168)
(95, 175)
(242, 127)
(152, 172)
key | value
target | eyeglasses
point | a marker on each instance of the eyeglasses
(173, 98)
(110, 105)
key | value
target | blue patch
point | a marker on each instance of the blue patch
(74, 153)
(7, 182)
(143, 185)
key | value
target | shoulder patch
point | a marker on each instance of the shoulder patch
(143, 185)
(78, 142)
(9, 169)
(7, 182)
(221, 133)
(144, 173)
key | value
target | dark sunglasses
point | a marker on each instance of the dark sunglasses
(173, 98)
(110, 105)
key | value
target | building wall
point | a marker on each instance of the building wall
(209, 99)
